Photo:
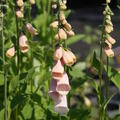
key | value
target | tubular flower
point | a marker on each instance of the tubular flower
(20, 3)
(61, 106)
(10, 52)
(58, 53)
(23, 43)
(68, 58)
(63, 86)
(109, 52)
(58, 70)
(31, 29)
(52, 92)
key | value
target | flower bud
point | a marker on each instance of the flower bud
(61, 35)
(109, 52)
(108, 29)
(63, 86)
(57, 70)
(108, 1)
(31, 29)
(23, 43)
(19, 14)
(63, 6)
(61, 106)
(87, 102)
(10, 52)
(67, 26)
(32, 2)
(58, 53)
(54, 24)
(68, 58)
(20, 3)
(111, 40)
(108, 44)
(62, 16)
(109, 22)
(70, 33)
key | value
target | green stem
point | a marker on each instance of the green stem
(5, 79)
(107, 80)
(101, 112)
(18, 58)
(31, 56)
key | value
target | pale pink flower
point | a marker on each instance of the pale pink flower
(52, 92)
(63, 86)
(10, 52)
(61, 106)
(58, 70)
(31, 29)
(58, 53)
(23, 43)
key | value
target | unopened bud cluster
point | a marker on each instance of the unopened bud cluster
(60, 86)
(109, 41)
(20, 9)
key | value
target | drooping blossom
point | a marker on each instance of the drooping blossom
(23, 43)
(61, 106)
(52, 92)
(10, 52)
(31, 29)
(58, 70)
(63, 86)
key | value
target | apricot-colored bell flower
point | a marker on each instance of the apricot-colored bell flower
(68, 58)
(63, 86)
(61, 106)
(52, 92)
(31, 29)
(57, 70)
(58, 53)
(109, 52)
(23, 43)
(10, 52)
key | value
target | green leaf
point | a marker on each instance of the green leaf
(1, 79)
(74, 39)
(114, 76)
(95, 62)
(27, 111)
(77, 70)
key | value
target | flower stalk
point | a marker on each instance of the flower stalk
(3, 59)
